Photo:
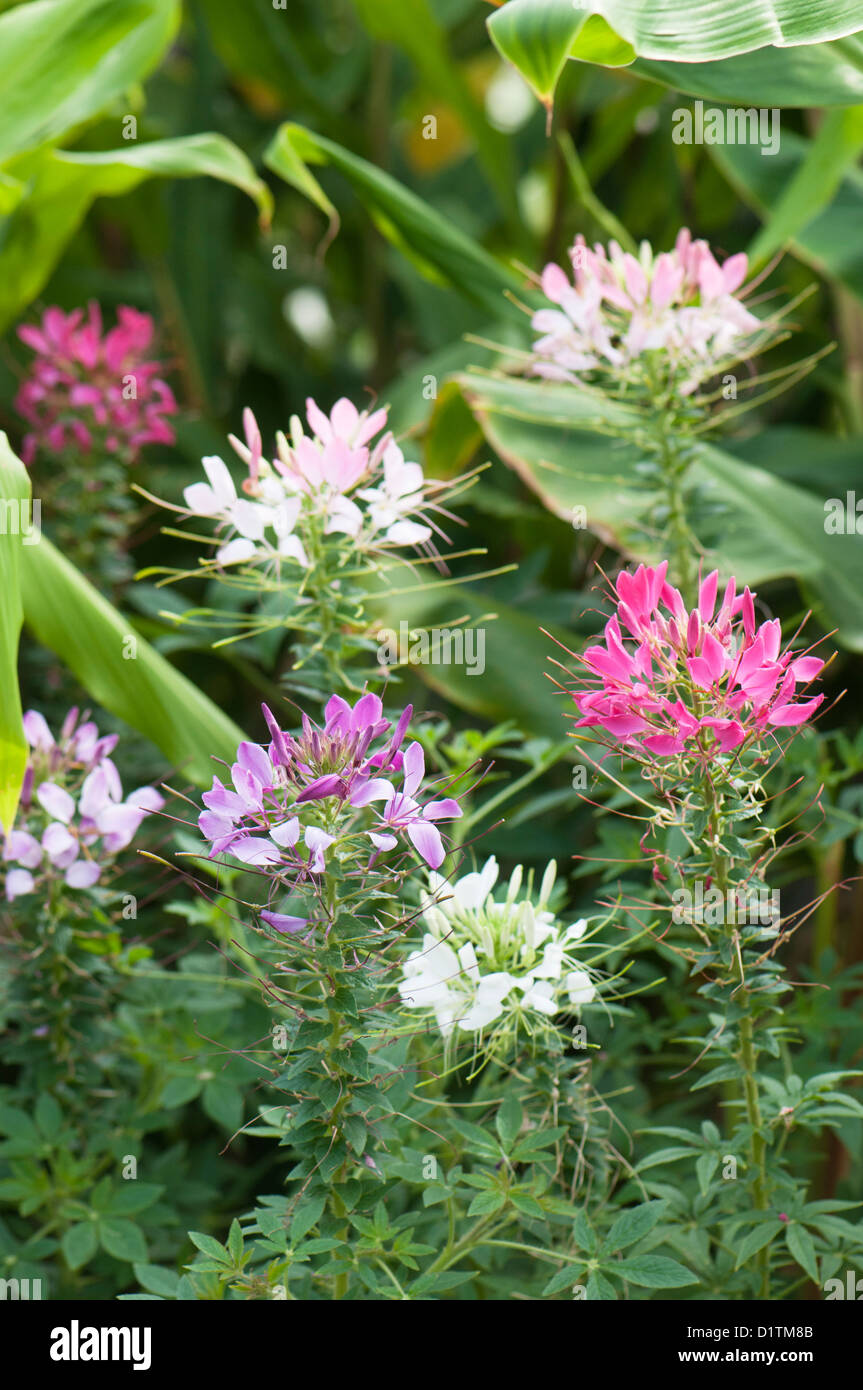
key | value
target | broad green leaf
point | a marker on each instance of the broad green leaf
(819, 74)
(62, 185)
(548, 434)
(15, 531)
(15, 519)
(538, 36)
(834, 150)
(64, 61)
(430, 241)
(67, 615)
(653, 1272)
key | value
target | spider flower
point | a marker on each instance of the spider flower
(670, 682)
(620, 308)
(346, 476)
(493, 963)
(294, 803)
(87, 390)
(74, 818)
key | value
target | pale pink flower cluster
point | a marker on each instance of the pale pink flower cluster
(347, 476)
(73, 817)
(667, 681)
(85, 390)
(622, 307)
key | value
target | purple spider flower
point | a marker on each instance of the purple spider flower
(288, 804)
(73, 815)
(402, 813)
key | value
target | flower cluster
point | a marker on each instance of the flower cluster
(668, 681)
(348, 476)
(73, 816)
(484, 959)
(87, 391)
(291, 804)
(622, 307)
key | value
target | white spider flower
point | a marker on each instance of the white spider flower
(491, 962)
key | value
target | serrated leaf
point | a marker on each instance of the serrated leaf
(123, 1239)
(79, 1244)
(802, 1247)
(157, 1279)
(632, 1225)
(756, 1240)
(653, 1272)
(508, 1121)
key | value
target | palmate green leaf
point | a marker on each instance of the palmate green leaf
(539, 36)
(769, 529)
(830, 241)
(64, 61)
(61, 187)
(438, 249)
(818, 74)
(14, 494)
(67, 615)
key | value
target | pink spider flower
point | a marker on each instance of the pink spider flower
(667, 681)
(290, 802)
(316, 475)
(620, 307)
(87, 389)
(73, 815)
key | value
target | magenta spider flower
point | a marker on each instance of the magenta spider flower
(292, 802)
(88, 390)
(667, 681)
